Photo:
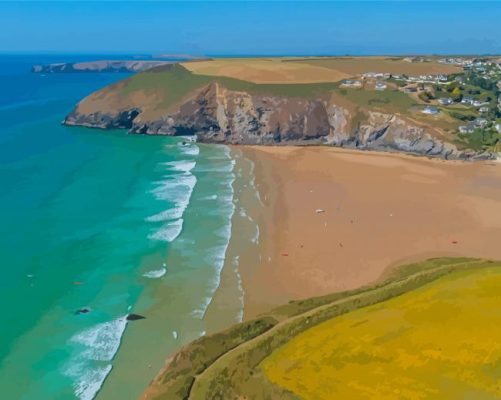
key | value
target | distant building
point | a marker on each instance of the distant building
(498, 127)
(351, 83)
(478, 103)
(467, 128)
(445, 101)
(467, 100)
(430, 110)
(480, 122)
(483, 109)
(380, 86)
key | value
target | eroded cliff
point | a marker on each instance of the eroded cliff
(217, 113)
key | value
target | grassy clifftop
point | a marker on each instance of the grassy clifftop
(253, 359)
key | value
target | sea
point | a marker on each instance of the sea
(96, 225)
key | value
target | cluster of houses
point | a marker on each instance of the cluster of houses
(441, 79)
(479, 123)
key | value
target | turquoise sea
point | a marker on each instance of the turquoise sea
(107, 222)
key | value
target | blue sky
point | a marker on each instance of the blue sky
(251, 28)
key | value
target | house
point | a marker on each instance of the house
(380, 86)
(430, 110)
(467, 128)
(483, 110)
(445, 101)
(478, 103)
(467, 100)
(498, 127)
(480, 122)
(350, 83)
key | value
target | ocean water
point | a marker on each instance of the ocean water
(106, 223)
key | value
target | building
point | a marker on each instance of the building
(430, 110)
(478, 103)
(480, 122)
(445, 101)
(351, 83)
(483, 110)
(470, 128)
(380, 86)
(498, 127)
(467, 100)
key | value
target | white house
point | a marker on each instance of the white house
(480, 122)
(445, 101)
(467, 128)
(350, 83)
(478, 103)
(498, 127)
(467, 100)
(483, 109)
(380, 86)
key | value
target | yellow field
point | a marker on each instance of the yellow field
(260, 70)
(359, 65)
(310, 70)
(442, 341)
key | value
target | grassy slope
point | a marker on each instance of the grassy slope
(438, 341)
(228, 364)
(172, 83)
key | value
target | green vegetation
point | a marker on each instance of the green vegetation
(229, 364)
(173, 82)
(480, 139)
(388, 100)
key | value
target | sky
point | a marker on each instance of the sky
(252, 28)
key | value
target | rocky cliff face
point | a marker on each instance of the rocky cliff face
(218, 115)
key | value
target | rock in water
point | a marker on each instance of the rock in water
(134, 317)
(84, 310)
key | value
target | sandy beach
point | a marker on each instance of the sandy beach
(334, 219)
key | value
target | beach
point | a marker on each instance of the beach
(334, 219)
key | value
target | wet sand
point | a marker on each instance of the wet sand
(379, 210)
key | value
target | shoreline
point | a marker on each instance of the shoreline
(229, 297)
(380, 210)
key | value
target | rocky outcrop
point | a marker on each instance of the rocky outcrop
(219, 115)
(98, 66)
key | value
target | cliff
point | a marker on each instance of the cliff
(228, 111)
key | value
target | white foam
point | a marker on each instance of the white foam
(92, 364)
(166, 215)
(89, 381)
(177, 189)
(190, 150)
(101, 341)
(168, 232)
(212, 197)
(180, 165)
(236, 264)
(217, 256)
(255, 238)
(156, 273)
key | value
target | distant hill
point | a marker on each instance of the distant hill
(99, 66)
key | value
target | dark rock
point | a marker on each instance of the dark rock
(84, 310)
(134, 317)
